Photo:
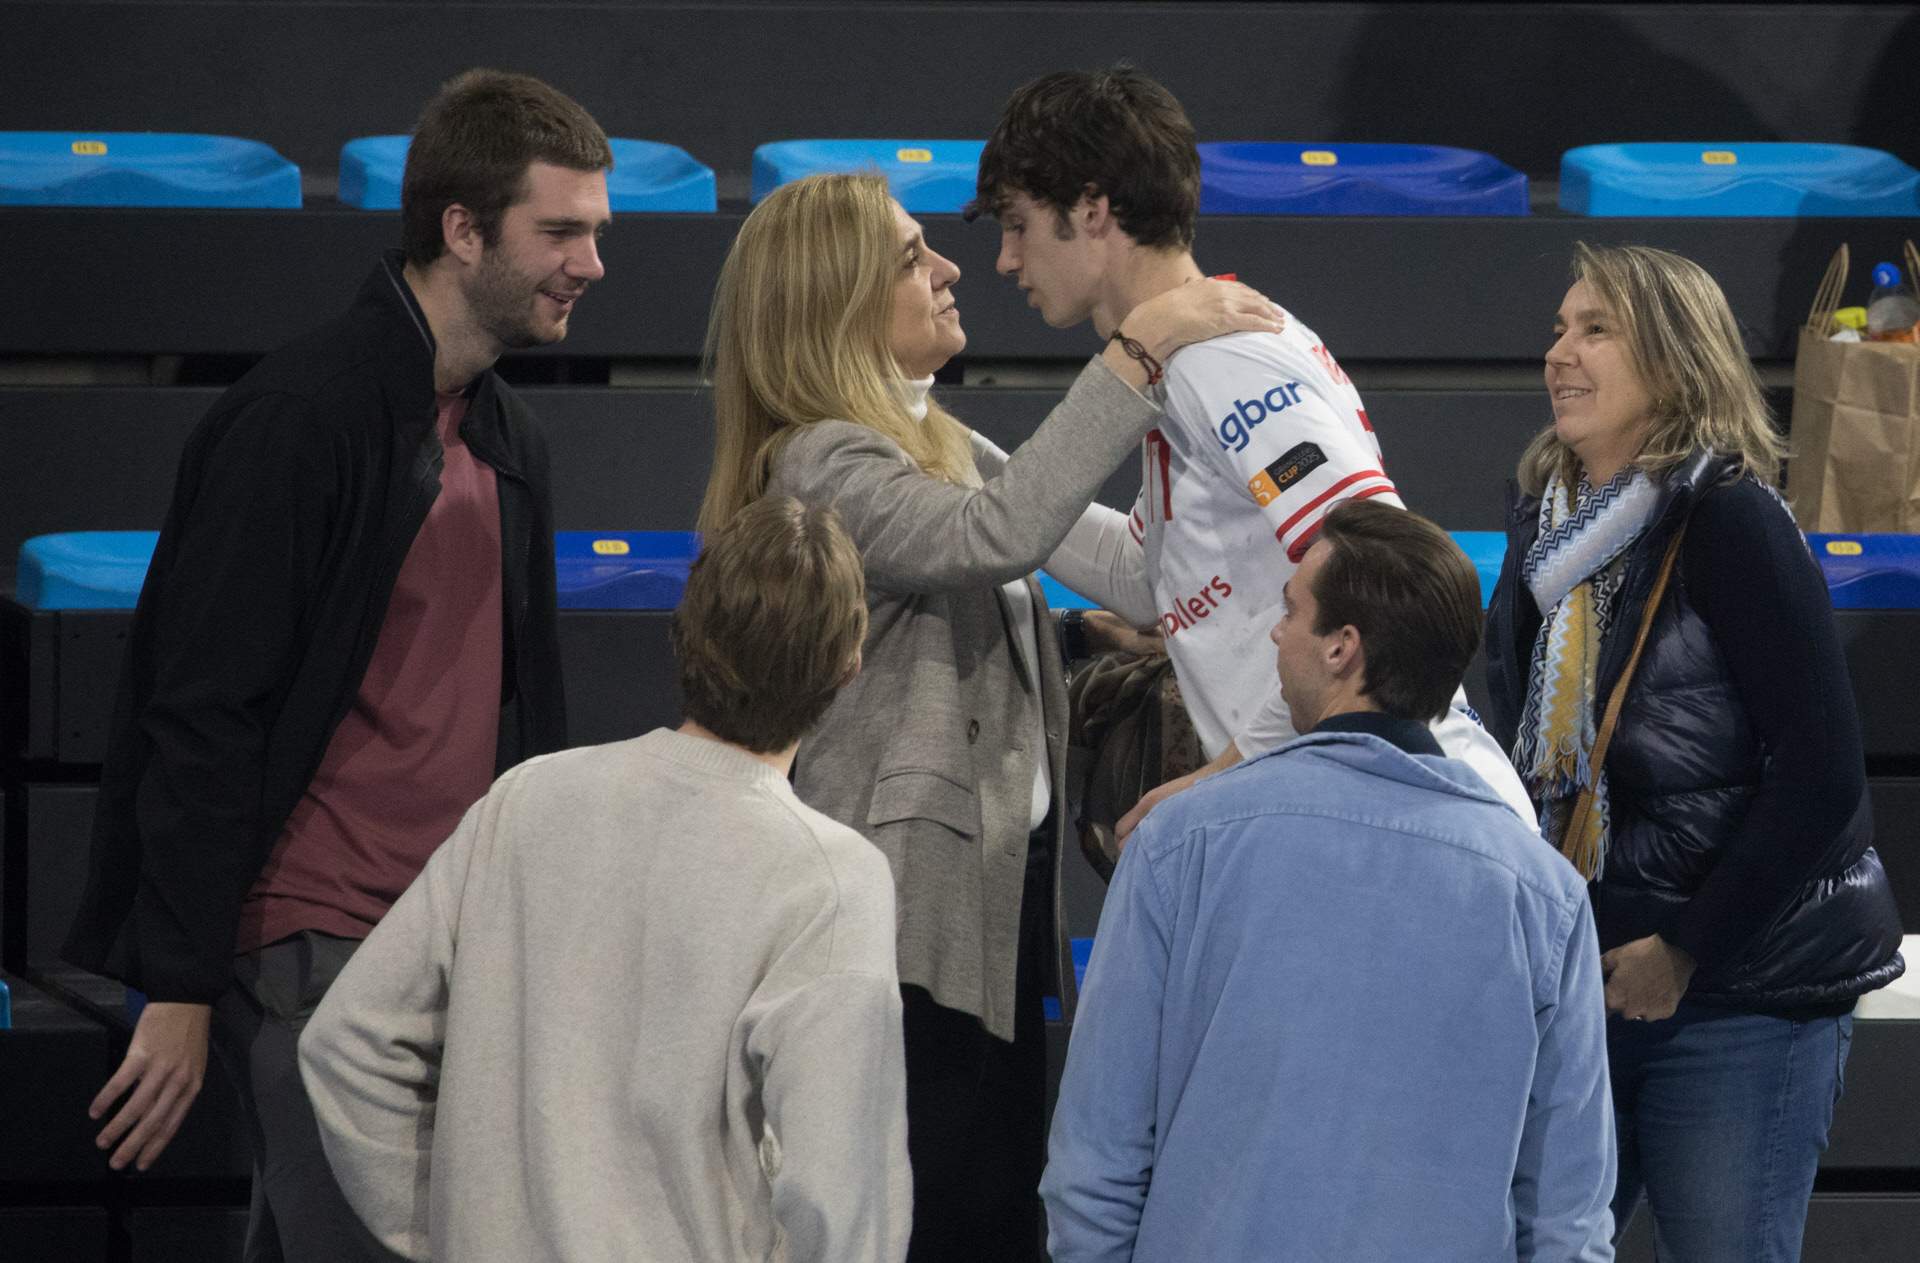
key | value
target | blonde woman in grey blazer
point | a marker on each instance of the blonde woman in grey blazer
(831, 316)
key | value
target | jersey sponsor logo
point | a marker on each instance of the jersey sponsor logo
(1237, 427)
(1188, 611)
(1272, 482)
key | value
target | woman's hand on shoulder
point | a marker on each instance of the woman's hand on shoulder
(1200, 310)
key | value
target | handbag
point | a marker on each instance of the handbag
(1128, 732)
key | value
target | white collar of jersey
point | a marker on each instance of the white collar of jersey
(913, 394)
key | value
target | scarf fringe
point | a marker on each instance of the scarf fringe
(1554, 751)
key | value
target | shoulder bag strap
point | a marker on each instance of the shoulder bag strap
(1584, 805)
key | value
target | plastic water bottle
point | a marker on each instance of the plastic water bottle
(1892, 309)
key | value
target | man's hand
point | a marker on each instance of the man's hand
(1160, 793)
(1646, 978)
(165, 1063)
(1108, 632)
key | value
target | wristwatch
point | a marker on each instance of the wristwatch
(1073, 634)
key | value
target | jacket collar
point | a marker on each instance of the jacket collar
(1403, 734)
(1686, 482)
(401, 340)
(1372, 755)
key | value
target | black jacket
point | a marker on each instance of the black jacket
(1739, 824)
(297, 499)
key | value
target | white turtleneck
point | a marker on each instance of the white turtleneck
(913, 394)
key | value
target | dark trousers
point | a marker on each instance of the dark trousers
(298, 1211)
(976, 1110)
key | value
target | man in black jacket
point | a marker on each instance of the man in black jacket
(347, 630)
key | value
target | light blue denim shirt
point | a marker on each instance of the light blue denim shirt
(1343, 1005)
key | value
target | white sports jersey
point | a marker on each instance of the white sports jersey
(1264, 435)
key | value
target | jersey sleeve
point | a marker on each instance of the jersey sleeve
(1281, 421)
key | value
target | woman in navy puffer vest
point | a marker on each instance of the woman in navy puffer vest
(1740, 905)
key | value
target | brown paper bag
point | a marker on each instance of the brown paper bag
(1854, 446)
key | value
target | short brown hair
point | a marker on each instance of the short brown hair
(1413, 596)
(1072, 134)
(473, 145)
(771, 623)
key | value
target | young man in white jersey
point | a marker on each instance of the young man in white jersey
(1095, 181)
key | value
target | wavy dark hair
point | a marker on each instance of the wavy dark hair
(1074, 134)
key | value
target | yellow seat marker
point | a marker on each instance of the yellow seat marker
(1720, 157)
(915, 155)
(90, 148)
(1320, 157)
(611, 547)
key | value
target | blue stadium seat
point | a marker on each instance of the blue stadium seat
(646, 176)
(1288, 178)
(646, 570)
(623, 570)
(1486, 550)
(143, 169)
(84, 570)
(1060, 596)
(1736, 179)
(1870, 572)
(927, 177)
(596, 570)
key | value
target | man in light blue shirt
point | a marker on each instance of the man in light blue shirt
(1344, 1003)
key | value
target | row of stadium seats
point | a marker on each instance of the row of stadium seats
(1775, 179)
(646, 570)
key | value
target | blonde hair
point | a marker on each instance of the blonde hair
(771, 624)
(1683, 341)
(799, 334)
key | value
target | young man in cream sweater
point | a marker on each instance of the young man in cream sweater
(643, 1003)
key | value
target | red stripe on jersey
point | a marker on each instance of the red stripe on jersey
(1364, 423)
(1165, 452)
(1327, 495)
(1298, 548)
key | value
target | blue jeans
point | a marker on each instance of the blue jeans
(1722, 1118)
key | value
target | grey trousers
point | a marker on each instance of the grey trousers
(298, 1212)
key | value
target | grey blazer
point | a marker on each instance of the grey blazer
(927, 752)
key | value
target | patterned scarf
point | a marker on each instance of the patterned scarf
(1567, 570)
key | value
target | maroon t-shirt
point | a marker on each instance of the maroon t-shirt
(417, 747)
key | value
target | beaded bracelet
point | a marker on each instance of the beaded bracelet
(1136, 351)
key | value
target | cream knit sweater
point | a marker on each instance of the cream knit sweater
(641, 1005)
